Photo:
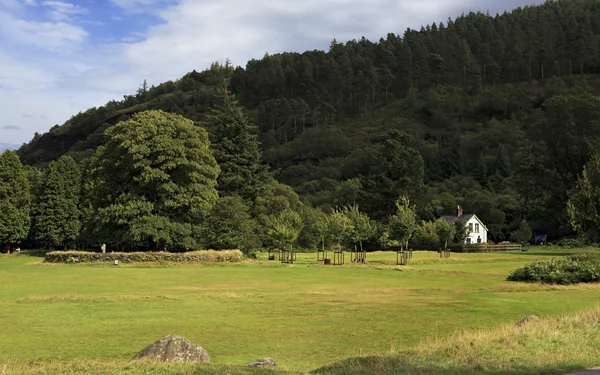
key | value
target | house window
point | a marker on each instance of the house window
(476, 227)
(479, 240)
(470, 227)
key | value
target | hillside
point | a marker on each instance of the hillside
(499, 109)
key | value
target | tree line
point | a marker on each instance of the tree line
(493, 112)
(159, 184)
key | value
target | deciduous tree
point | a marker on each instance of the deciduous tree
(154, 183)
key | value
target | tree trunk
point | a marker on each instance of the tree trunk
(295, 125)
(542, 70)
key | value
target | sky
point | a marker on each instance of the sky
(58, 58)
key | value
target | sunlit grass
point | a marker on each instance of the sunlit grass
(304, 315)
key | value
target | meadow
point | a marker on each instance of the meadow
(90, 318)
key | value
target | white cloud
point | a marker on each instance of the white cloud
(53, 36)
(62, 11)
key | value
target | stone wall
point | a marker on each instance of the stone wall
(196, 256)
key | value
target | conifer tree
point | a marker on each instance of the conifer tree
(14, 199)
(56, 216)
(236, 149)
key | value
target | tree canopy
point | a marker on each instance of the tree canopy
(14, 199)
(153, 183)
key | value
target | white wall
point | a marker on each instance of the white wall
(476, 235)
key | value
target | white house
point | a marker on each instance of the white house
(478, 232)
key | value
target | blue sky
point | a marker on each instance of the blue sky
(61, 57)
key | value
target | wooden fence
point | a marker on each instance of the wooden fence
(485, 248)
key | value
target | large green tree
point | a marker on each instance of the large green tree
(397, 170)
(230, 226)
(236, 149)
(14, 199)
(584, 202)
(154, 183)
(56, 215)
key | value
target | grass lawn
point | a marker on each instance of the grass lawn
(303, 315)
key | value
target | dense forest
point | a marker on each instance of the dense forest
(497, 113)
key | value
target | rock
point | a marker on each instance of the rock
(263, 362)
(527, 320)
(173, 349)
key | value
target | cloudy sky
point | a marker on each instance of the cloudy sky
(58, 58)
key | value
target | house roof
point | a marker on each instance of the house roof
(454, 219)
(462, 219)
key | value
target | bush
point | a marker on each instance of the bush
(195, 256)
(571, 243)
(579, 268)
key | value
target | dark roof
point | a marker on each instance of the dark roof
(454, 219)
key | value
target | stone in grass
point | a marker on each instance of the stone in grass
(263, 362)
(527, 320)
(173, 348)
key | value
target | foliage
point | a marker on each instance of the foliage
(14, 199)
(362, 227)
(578, 268)
(426, 234)
(584, 202)
(445, 231)
(236, 149)
(339, 229)
(285, 228)
(230, 226)
(56, 214)
(402, 225)
(571, 243)
(153, 183)
(312, 234)
(523, 234)
(396, 171)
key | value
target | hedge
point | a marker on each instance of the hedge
(579, 268)
(196, 256)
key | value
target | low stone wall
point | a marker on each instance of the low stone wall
(196, 256)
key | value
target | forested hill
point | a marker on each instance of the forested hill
(497, 113)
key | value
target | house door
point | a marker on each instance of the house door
(479, 240)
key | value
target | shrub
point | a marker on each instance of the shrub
(579, 268)
(195, 256)
(571, 243)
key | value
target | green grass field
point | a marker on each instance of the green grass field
(303, 315)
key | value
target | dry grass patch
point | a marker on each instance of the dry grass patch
(528, 287)
(547, 346)
(91, 299)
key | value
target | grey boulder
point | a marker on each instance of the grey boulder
(173, 348)
(263, 362)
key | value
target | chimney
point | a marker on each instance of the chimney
(460, 210)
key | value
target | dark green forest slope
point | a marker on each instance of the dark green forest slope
(497, 113)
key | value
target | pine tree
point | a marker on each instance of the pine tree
(14, 199)
(236, 149)
(56, 216)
